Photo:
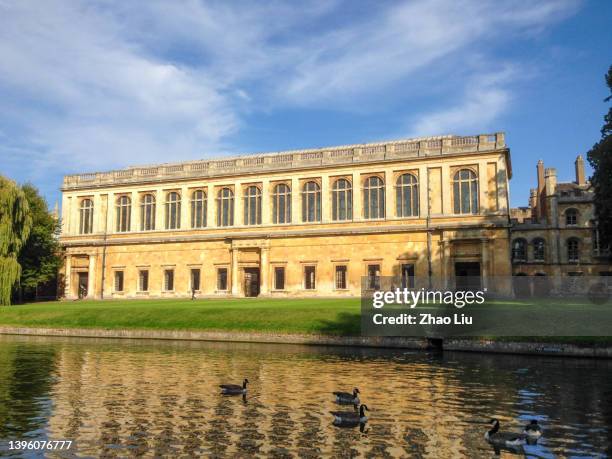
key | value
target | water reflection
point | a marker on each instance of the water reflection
(150, 398)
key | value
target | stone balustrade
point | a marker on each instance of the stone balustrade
(364, 153)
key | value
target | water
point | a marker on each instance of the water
(123, 398)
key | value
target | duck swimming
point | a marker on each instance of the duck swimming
(346, 398)
(533, 430)
(507, 439)
(351, 417)
(234, 389)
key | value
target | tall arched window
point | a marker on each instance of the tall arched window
(519, 250)
(124, 211)
(407, 196)
(173, 210)
(147, 213)
(342, 200)
(198, 209)
(281, 204)
(252, 206)
(374, 198)
(225, 207)
(465, 192)
(573, 250)
(86, 216)
(311, 202)
(571, 217)
(539, 249)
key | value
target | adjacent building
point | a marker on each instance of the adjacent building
(556, 235)
(313, 222)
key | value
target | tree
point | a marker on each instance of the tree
(15, 225)
(40, 257)
(600, 158)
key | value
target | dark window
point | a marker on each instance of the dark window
(311, 202)
(195, 279)
(573, 250)
(407, 196)
(198, 209)
(169, 280)
(571, 217)
(309, 277)
(465, 192)
(374, 277)
(147, 213)
(519, 250)
(86, 217)
(118, 281)
(341, 277)
(407, 275)
(281, 204)
(225, 207)
(124, 210)
(222, 279)
(143, 280)
(279, 278)
(342, 200)
(252, 206)
(173, 210)
(374, 198)
(539, 249)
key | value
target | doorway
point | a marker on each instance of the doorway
(82, 283)
(251, 282)
(467, 275)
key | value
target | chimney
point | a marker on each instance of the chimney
(551, 180)
(580, 180)
(541, 197)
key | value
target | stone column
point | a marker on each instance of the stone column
(68, 277)
(238, 205)
(211, 206)
(483, 187)
(357, 210)
(446, 263)
(234, 268)
(91, 277)
(135, 212)
(446, 185)
(264, 269)
(296, 210)
(389, 197)
(98, 216)
(423, 192)
(266, 210)
(185, 208)
(160, 209)
(484, 245)
(325, 199)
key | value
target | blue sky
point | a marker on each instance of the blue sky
(89, 86)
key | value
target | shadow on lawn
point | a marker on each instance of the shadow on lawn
(345, 323)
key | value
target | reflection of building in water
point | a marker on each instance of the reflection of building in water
(557, 234)
(309, 223)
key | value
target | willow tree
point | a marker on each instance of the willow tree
(15, 224)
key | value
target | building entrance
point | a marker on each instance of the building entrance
(467, 276)
(82, 284)
(251, 282)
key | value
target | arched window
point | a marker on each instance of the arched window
(252, 206)
(311, 202)
(374, 198)
(198, 209)
(407, 196)
(281, 204)
(86, 216)
(465, 192)
(173, 210)
(573, 250)
(571, 217)
(147, 213)
(124, 211)
(519, 250)
(539, 249)
(342, 200)
(225, 207)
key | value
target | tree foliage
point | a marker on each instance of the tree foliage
(15, 225)
(40, 256)
(600, 158)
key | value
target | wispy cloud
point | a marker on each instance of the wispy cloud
(90, 85)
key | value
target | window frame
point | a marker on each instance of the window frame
(402, 189)
(148, 208)
(537, 250)
(123, 214)
(519, 250)
(339, 196)
(225, 214)
(168, 281)
(341, 268)
(172, 207)
(118, 275)
(279, 196)
(473, 188)
(199, 209)
(218, 279)
(86, 216)
(573, 251)
(251, 203)
(275, 279)
(377, 190)
(315, 205)
(305, 279)
(141, 271)
(571, 214)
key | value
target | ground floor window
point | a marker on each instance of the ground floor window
(118, 281)
(309, 277)
(407, 271)
(195, 279)
(341, 277)
(169, 280)
(143, 280)
(374, 277)
(279, 278)
(222, 279)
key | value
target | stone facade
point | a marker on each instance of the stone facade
(556, 235)
(298, 223)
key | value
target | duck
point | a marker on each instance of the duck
(351, 417)
(533, 430)
(234, 389)
(346, 398)
(506, 439)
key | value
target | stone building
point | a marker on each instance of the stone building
(298, 223)
(556, 235)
